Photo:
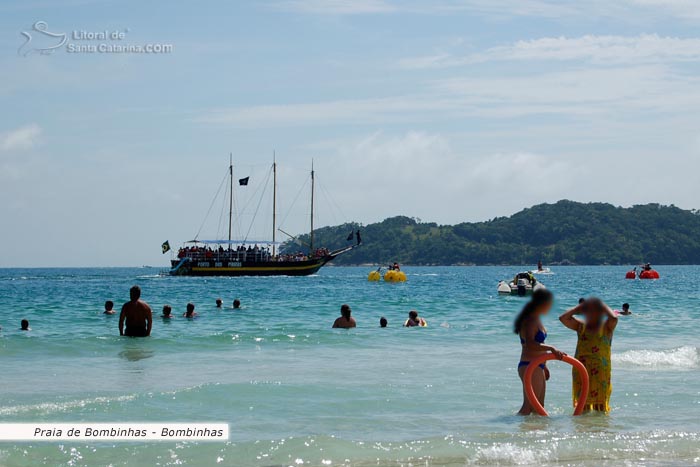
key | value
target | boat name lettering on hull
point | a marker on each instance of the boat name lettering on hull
(219, 264)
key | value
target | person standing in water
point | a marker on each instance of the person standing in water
(136, 318)
(345, 321)
(24, 325)
(528, 326)
(593, 349)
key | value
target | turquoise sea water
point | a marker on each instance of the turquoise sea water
(296, 392)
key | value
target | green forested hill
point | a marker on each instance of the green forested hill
(561, 233)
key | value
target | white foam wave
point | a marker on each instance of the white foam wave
(682, 357)
(510, 454)
(53, 407)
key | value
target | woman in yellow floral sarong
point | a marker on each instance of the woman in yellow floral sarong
(595, 335)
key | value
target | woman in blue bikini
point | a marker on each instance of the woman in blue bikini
(528, 325)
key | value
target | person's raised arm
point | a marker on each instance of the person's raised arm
(569, 319)
(611, 322)
(528, 334)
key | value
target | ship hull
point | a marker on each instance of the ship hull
(247, 268)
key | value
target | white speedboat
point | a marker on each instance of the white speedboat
(524, 283)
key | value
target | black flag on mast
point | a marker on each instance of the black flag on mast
(243, 181)
(165, 246)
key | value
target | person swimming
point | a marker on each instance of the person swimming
(414, 320)
(532, 333)
(626, 309)
(345, 321)
(383, 322)
(236, 304)
(109, 308)
(219, 303)
(167, 312)
(190, 313)
(593, 349)
(24, 325)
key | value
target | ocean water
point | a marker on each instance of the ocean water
(296, 392)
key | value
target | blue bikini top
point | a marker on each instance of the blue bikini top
(539, 337)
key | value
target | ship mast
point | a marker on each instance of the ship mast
(274, 201)
(311, 242)
(230, 198)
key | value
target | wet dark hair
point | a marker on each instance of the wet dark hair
(383, 322)
(167, 309)
(25, 324)
(345, 311)
(625, 306)
(539, 298)
(236, 303)
(581, 300)
(109, 304)
(135, 292)
(413, 314)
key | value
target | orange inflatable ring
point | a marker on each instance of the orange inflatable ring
(530, 392)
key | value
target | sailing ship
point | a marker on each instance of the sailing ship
(231, 257)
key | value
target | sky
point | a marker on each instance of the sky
(443, 110)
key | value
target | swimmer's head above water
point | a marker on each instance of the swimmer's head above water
(25, 325)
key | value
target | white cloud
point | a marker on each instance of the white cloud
(542, 8)
(679, 8)
(365, 111)
(24, 137)
(420, 174)
(645, 48)
(337, 7)
(633, 92)
(554, 9)
(425, 175)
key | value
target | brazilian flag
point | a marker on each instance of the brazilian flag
(165, 247)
